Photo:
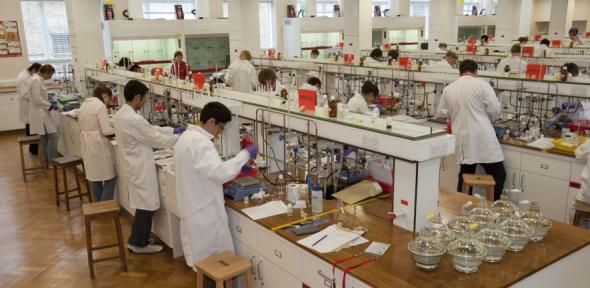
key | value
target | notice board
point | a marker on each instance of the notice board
(9, 39)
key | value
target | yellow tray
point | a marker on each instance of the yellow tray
(560, 144)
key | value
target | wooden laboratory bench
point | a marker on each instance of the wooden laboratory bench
(551, 151)
(397, 268)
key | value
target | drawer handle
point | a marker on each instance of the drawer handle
(278, 254)
(239, 229)
(259, 271)
(327, 280)
(545, 166)
(252, 264)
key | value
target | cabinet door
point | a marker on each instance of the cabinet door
(513, 178)
(550, 192)
(449, 172)
(570, 208)
(247, 253)
(271, 276)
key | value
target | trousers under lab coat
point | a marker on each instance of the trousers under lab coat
(200, 174)
(471, 104)
(40, 121)
(136, 138)
(96, 148)
(22, 90)
(241, 76)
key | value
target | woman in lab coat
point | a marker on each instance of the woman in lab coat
(267, 79)
(22, 90)
(360, 103)
(200, 174)
(241, 75)
(374, 57)
(96, 148)
(472, 105)
(39, 117)
(544, 50)
(136, 139)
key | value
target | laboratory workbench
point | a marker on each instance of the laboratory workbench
(397, 269)
(520, 144)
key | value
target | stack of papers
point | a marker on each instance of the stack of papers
(331, 239)
(266, 210)
(542, 143)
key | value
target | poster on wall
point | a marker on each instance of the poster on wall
(109, 13)
(9, 39)
(179, 12)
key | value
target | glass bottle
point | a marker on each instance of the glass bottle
(536, 220)
(517, 230)
(481, 215)
(466, 251)
(333, 107)
(439, 229)
(459, 224)
(427, 250)
(494, 240)
(279, 189)
(503, 207)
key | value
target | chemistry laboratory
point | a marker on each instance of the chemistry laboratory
(295, 143)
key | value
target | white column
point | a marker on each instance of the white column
(244, 27)
(357, 26)
(280, 14)
(560, 18)
(400, 7)
(443, 26)
(210, 8)
(513, 20)
(311, 8)
(135, 8)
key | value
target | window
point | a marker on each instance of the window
(302, 4)
(326, 7)
(164, 9)
(383, 4)
(421, 8)
(225, 9)
(266, 23)
(46, 30)
(468, 6)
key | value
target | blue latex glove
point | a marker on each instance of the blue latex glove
(53, 106)
(178, 130)
(252, 149)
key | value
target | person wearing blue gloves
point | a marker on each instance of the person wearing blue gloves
(200, 174)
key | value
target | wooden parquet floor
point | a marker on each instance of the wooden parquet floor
(42, 245)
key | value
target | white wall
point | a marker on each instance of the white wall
(12, 66)
(542, 10)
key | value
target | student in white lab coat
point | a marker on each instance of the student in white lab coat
(136, 138)
(374, 57)
(200, 174)
(574, 37)
(446, 64)
(472, 105)
(544, 50)
(22, 90)
(360, 103)
(39, 117)
(267, 79)
(241, 75)
(512, 63)
(96, 147)
(583, 153)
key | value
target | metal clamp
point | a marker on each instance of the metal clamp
(278, 254)
(327, 280)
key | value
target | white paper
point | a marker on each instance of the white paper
(542, 143)
(300, 204)
(377, 248)
(335, 238)
(266, 210)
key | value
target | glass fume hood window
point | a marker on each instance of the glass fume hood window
(144, 49)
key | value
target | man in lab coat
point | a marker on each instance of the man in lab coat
(22, 90)
(136, 138)
(241, 75)
(472, 105)
(200, 174)
(512, 63)
(446, 64)
(360, 103)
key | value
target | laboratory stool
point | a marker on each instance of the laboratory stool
(222, 268)
(65, 163)
(29, 140)
(474, 180)
(582, 212)
(103, 210)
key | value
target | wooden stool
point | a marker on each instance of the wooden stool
(65, 163)
(222, 268)
(29, 140)
(582, 212)
(102, 210)
(473, 180)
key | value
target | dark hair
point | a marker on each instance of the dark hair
(216, 111)
(98, 91)
(376, 53)
(315, 51)
(467, 65)
(523, 39)
(572, 68)
(124, 62)
(393, 54)
(134, 67)
(573, 31)
(46, 69)
(369, 87)
(484, 37)
(266, 74)
(515, 48)
(134, 88)
(178, 53)
(34, 67)
(546, 42)
(314, 81)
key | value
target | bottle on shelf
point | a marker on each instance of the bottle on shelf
(279, 189)
(333, 107)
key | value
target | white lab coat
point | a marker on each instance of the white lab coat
(241, 76)
(22, 91)
(136, 138)
(441, 66)
(96, 148)
(39, 115)
(471, 105)
(358, 104)
(200, 174)
(583, 153)
(515, 62)
(539, 51)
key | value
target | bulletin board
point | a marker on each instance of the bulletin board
(9, 39)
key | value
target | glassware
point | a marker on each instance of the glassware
(536, 220)
(279, 189)
(459, 223)
(494, 241)
(467, 252)
(517, 230)
(504, 207)
(427, 250)
(317, 200)
(481, 215)
(439, 229)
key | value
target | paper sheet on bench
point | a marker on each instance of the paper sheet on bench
(542, 143)
(266, 210)
(336, 238)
